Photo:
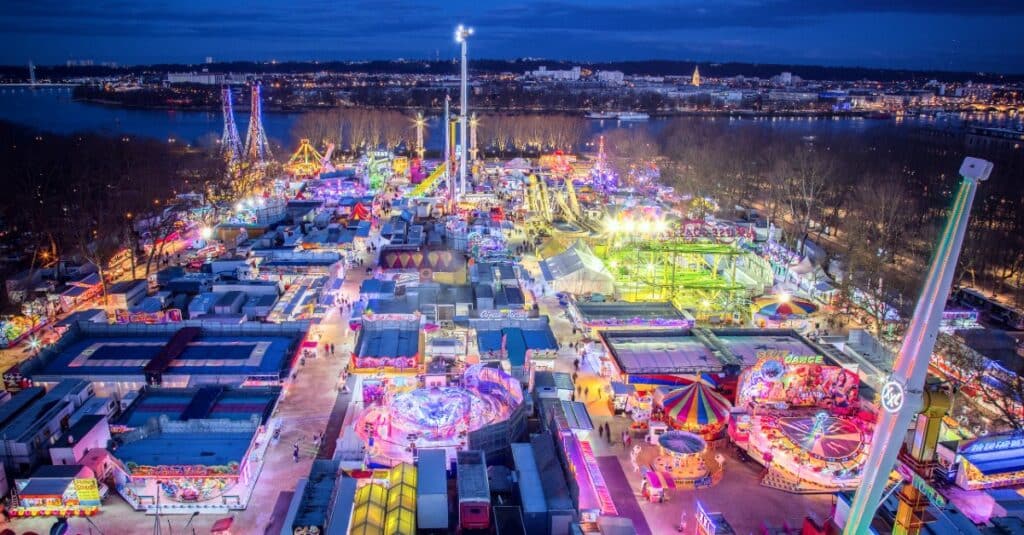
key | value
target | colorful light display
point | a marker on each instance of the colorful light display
(438, 417)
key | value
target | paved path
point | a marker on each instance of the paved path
(334, 424)
(622, 493)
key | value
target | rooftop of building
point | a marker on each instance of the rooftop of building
(621, 310)
(186, 449)
(109, 354)
(657, 351)
(40, 411)
(206, 402)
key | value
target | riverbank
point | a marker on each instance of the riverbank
(660, 114)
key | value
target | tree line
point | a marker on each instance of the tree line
(81, 195)
(875, 199)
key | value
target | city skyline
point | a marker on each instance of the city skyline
(896, 35)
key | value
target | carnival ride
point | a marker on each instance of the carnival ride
(696, 408)
(307, 161)
(902, 395)
(257, 147)
(681, 457)
(697, 276)
(423, 189)
(230, 143)
(437, 417)
(802, 424)
(558, 208)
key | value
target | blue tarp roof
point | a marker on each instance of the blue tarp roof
(377, 286)
(998, 461)
(232, 351)
(177, 449)
(388, 343)
(515, 346)
(535, 339)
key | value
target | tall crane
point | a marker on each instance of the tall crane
(902, 393)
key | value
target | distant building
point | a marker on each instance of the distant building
(695, 80)
(786, 78)
(610, 77)
(542, 73)
(203, 78)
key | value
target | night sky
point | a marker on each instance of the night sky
(983, 35)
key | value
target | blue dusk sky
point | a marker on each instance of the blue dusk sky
(963, 35)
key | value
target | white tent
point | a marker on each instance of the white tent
(578, 271)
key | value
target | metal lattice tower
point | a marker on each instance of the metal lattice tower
(257, 149)
(230, 143)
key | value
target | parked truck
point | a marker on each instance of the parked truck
(474, 490)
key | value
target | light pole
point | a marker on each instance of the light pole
(461, 36)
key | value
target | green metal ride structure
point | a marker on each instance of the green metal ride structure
(692, 275)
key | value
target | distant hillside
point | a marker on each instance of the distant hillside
(649, 67)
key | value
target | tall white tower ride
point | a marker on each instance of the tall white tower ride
(461, 36)
(901, 394)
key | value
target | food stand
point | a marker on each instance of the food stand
(62, 491)
(654, 484)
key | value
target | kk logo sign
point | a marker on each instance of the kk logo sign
(892, 396)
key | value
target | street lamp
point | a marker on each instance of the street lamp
(461, 36)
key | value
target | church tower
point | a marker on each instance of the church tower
(695, 80)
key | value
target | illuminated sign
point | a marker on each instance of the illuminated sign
(501, 314)
(892, 396)
(88, 491)
(172, 315)
(787, 358)
(921, 485)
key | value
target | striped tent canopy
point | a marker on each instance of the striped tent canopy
(783, 305)
(698, 408)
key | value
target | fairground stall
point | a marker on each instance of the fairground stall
(192, 449)
(61, 491)
(485, 411)
(988, 462)
(387, 342)
(803, 425)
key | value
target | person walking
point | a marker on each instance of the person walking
(608, 432)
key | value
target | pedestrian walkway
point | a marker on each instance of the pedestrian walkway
(622, 493)
(334, 425)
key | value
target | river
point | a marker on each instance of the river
(53, 110)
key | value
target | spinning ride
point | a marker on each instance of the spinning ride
(682, 457)
(437, 417)
(823, 436)
(698, 409)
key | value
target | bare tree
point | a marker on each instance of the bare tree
(990, 388)
(807, 174)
